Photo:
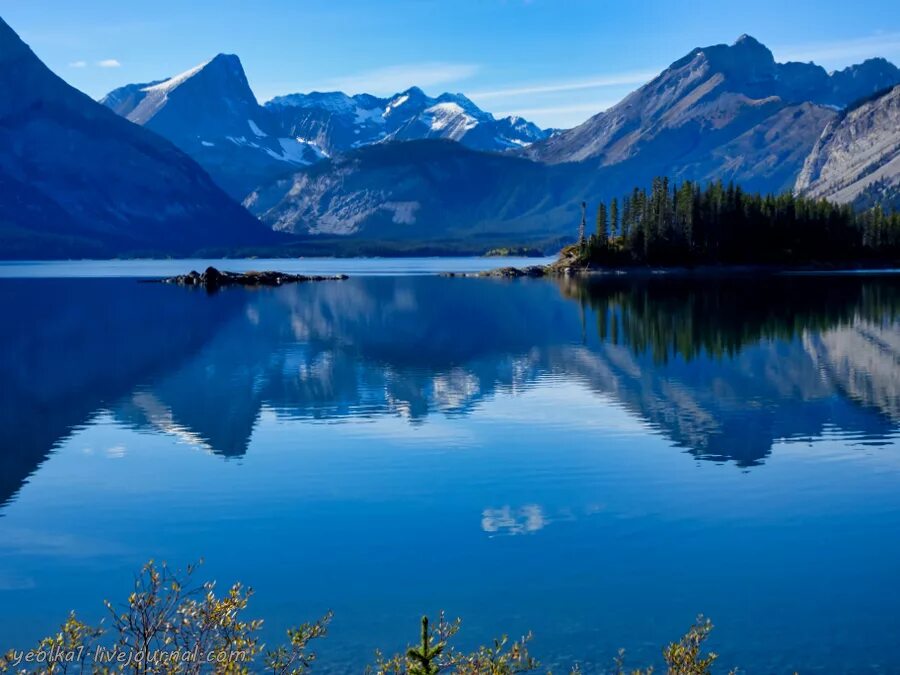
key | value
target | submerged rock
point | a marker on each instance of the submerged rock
(213, 278)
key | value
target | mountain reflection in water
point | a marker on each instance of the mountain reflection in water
(721, 367)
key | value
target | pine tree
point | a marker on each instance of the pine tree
(602, 225)
(626, 219)
(581, 227)
(614, 218)
(423, 659)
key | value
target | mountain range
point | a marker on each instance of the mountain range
(726, 112)
(330, 167)
(211, 113)
(337, 122)
(78, 180)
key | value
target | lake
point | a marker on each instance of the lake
(598, 462)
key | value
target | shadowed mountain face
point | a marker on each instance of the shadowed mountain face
(722, 369)
(77, 180)
(423, 191)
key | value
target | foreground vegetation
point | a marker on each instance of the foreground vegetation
(688, 224)
(168, 625)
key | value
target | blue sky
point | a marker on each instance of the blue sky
(553, 61)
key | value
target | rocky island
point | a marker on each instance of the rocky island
(212, 279)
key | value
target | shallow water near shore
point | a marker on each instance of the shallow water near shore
(594, 460)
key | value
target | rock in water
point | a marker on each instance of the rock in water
(213, 279)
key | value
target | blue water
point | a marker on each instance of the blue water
(169, 268)
(594, 462)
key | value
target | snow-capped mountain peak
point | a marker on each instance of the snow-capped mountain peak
(210, 112)
(339, 122)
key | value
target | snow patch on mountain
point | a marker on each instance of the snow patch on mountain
(369, 116)
(166, 86)
(452, 117)
(396, 103)
(306, 144)
(256, 130)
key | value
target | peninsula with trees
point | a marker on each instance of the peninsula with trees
(717, 226)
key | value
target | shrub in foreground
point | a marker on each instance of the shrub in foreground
(170, 626)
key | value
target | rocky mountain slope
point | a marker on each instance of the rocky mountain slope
(856, 153)
(725, 111)
(210, 112)
(337, 122)
(78, 180)
(427, 190)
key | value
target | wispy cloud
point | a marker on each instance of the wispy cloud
(392, 79)
(78, 64)
(590, 108)
(109, 63)
(614, 80)
(842, 52)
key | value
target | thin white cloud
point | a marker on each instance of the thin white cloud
(842, 52)
(592, 108)
(615, 80)
(392, 79)
(109, 63)
(78, 64)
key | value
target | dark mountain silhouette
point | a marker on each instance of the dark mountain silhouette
(78, 180)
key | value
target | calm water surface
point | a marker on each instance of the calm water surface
(170, 268)
(595, 462)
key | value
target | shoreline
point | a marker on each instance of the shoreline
(559, 269)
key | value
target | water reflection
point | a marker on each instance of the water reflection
(723, 368)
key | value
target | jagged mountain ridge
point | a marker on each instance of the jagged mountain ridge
(338, 122)
(63, 190)
(725, 111)
(856, 153)
(211, 113)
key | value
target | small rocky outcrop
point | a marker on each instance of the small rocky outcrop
(516, 272)
(533, 271)
(213, 279)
